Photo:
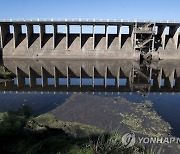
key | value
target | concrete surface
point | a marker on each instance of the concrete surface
(83, 45)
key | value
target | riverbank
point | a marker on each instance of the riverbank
(45, 134)
(85, 124)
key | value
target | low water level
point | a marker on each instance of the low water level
(46, 84)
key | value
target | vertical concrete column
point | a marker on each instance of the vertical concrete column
(4, 31)
(106, 32)
(29, 33)
(54, 35)
(29, 72)
(131, 30)
(93, 31)
(153, 41)
(130, 78)
(135, 35)
(80, 36)
(5, 84)
(93, 76)
(67, 36)
(150, 73)
(159, 78)
(32, 79)
(174, 32)
(43, 77)
(162, 34)
(0, 38)
(80, 77)
(42, 32)
(105, 77)
(171, 78)
(118, 76)
(56, 82)
(119, 27)
(19, 77)
(67, 74)
(16, 33)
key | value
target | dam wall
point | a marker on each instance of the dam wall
(21, 39)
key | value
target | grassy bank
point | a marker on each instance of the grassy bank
(21, 133)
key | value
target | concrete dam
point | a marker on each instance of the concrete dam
(160, 40)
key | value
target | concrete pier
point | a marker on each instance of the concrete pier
(4, 31)
(29, 34)
(54, 35)
(17, 32)
(165, 45)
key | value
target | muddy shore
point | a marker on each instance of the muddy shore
(116, 114)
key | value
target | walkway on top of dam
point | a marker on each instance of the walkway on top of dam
(86, 21)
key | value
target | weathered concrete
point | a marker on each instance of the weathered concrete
(84, 45)
(119, 36)
(162, 34)
(4, 31)
(67, 36)
(17, 31)
(54, 35)
(42, 33)
(29, 34)
(174, 33)
(80, 46)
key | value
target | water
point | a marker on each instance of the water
(40, 102)
(46, 84)
(167, 105)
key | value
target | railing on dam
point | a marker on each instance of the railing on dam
(19, 38)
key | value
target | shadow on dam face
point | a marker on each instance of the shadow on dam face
(92, 75)
(91, 44)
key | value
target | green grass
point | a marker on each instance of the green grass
(21, 133)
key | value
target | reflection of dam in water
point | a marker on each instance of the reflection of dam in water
(92, 75)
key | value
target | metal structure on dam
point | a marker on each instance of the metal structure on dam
(160, 40)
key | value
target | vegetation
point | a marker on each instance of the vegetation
(22, 133)
(5, 74)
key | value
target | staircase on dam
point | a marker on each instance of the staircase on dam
(140, 80)
(143, 38)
